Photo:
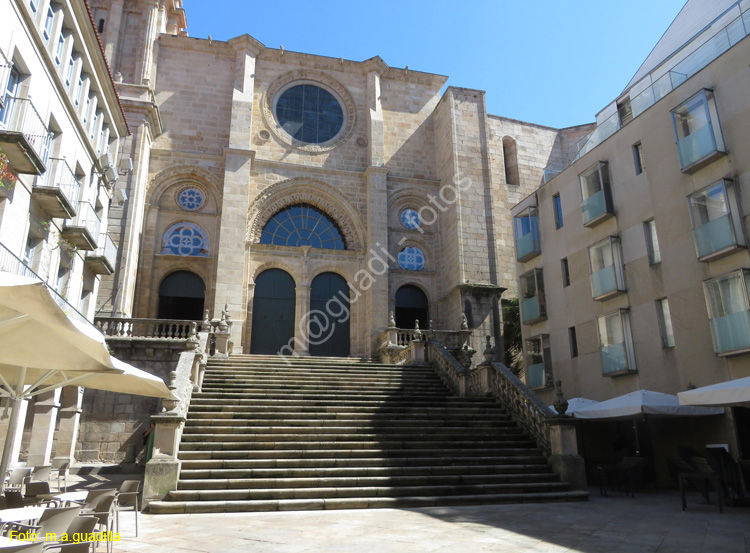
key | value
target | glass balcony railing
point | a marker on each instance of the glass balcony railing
(532, 310)
(594, 207)
(536, 376)
(714, 236)
(717, 38)
(613, 359)
(731, 333)
(699, 145)
(528, 246)
(604, 282)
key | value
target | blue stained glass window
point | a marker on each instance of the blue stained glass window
(187, 239)
(302, 225)
(309, 113)
(410, 218)
(411, 259)
(191, 199)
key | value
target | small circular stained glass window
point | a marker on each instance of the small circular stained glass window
(191, 199)
(410, 218)
(309, 113)
(411, 259)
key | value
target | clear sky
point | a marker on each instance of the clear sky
(551, 62)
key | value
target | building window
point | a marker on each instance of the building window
(191, 199)
(528, 244)
(100, 26)
(557, 203)
(652, 242)
(573, 341)
(510, 159)
(411, 259)
(538, 362)
(616, 343)
(69, 74)
(309, 113)
(87, 110)
(9, 98)
(596, 195)
(698, 131)
(34, 5)
(302, 225)
(565, 272)
(186, 239)
(79, 91)
(640, 165)
(665, 323)
(410, 218)
(533, 307)
(47, 32)
(60, 48)
(729, 312)
(716, 220)
(607, 275)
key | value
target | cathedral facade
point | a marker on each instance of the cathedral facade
(311, 196)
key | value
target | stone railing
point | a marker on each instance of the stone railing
(554, 434)
(393, 340)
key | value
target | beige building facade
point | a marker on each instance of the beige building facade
(632, 259)
(415, 182)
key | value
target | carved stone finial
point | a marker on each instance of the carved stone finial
(416, 328)
(225, 313)
(206, 319)
(489, 351)
(561, 404)
(172, 380)
(391, 321)
(431, 326)
(464, 322)
(464, 357)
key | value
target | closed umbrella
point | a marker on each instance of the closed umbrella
(42, 349)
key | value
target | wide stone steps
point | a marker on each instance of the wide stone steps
(264, 434)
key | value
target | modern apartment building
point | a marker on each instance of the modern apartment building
(632, 260)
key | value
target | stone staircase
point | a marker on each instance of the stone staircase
(328, 433)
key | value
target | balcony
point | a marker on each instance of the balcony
(604, 284)
(57, 190)
(538, 362)
(102, 260)
(616, 343)
(596, 196)
(731, 333)
(528, 244)
(717, 221)
(531, 287)
(698, 131)
(714, 237)
(607, 274)
(84, 230)
(24, 137)
(536, 376)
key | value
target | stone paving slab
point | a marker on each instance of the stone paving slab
(651, 522)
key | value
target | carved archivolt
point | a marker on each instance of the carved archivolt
(314, 77)
(306, 191)
(182, 174)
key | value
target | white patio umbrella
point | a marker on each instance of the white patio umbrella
(576, 403)
(731, 392)
(42, 349)
(643, 402)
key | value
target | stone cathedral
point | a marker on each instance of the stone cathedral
(311, 196)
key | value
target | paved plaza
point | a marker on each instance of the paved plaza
(650, 522)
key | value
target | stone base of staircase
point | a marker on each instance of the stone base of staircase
(325, 433)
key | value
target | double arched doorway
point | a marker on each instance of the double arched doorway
(324, 323)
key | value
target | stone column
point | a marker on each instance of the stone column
(301, 320)
(71, 401)
(145, 67)
(231, 266)
(565, 459)
(43, 428)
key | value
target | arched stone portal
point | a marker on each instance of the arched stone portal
(411, 305)
(329, 316)
(273, 313)
(181, 296)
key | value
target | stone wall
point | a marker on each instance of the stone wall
(111, 423)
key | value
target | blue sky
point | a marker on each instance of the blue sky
(550, 62)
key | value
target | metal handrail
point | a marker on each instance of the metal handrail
(59, 175)
(20, 115)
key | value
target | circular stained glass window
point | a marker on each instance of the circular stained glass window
(309, 113)
(191, 199)
(410, 218)
(411, 259)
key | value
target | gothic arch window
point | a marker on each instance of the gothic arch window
(186, 239)
(510, 157)
(302, 225)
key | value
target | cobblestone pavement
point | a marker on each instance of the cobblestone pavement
(650, 522)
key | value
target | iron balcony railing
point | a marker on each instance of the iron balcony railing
(11, 263)
(106, 250)
(20, 115)
(59, 175)
(87, 219)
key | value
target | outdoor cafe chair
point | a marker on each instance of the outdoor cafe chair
(13, 500)
(127, 496)
(101, 507)
(41, 473)
(52, 521)
(62, 474)
(81, 525)
(25, 548)
(16, 479)
(36, 489)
